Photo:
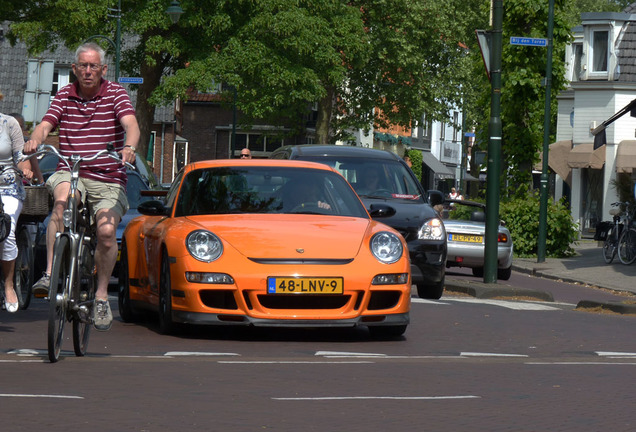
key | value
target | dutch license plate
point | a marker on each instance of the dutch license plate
(466, 238)
(305, 285)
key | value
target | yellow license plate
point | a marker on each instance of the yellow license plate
(465, 238)
(305, 285)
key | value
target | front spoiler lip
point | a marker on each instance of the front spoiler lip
(213, 319)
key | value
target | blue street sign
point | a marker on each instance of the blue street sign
(131, 80)
(469, 134)
(539, 42)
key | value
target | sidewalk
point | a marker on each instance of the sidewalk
(587, 267)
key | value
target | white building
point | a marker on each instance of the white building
(602, 73)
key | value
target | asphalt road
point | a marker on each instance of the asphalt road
(463, 365)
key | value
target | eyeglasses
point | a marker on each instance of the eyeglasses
(92, 66)
(243, 155)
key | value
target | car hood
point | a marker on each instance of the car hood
(408, 215)
(287, 236)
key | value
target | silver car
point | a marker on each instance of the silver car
(466, 239)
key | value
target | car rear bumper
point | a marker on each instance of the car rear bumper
(467, 256)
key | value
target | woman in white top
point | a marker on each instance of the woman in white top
(12, 194)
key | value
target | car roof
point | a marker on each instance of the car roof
(336, 150)
(214, 163)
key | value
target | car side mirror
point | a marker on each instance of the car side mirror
(381, 210)
(435, 197)
(152, 208)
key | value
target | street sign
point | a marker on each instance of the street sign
(131, 80)
(539, 42)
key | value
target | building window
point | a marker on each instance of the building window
(61, 77)
(577, 55)
(600, 50)
(442, 131)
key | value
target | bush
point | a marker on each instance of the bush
(522, 219)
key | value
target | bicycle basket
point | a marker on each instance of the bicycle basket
(602, 228)
(37, 201)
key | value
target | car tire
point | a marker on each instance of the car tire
(387, 332)
(166, 325)
(126, 310)
(504, 274)
(431, 291)
(478, 271)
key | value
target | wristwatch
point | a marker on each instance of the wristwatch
(131, 147)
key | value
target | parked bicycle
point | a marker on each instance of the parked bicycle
(73, 273)
(627, 239)
(612, 236)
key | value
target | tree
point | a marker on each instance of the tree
(151, 45)
(523, 91)
(364, 62)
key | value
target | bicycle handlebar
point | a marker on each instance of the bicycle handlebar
(109, 150)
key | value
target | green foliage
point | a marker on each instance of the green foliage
(416, 161)
(522, 219)
(624, 187)
(521, 216)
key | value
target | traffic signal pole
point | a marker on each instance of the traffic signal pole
(494, 148)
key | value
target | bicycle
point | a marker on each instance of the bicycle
(627, 240)
(73, 272)
(612, 236)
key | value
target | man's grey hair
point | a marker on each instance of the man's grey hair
(90, 46)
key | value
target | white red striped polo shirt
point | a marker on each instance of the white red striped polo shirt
(87, 126)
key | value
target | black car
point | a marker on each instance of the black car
(392, 195)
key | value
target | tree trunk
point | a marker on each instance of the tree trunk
(323, 122)
(144, 110)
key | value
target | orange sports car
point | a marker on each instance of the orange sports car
(264, 243)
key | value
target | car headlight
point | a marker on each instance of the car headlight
(433, 229)
(386, 247)
(204, 246)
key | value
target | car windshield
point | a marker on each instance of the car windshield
(375, 178)
(251, 189)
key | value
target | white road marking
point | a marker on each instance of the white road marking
(375, 397)
(39, 396)
(290, 362)
(345, 353)
(527, 306)
(420, 300)
(478, 354)
(613, 354)
(195, 353)
(581, 363)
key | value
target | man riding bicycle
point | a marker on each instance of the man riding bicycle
(89, 114)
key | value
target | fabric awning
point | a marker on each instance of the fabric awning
(436, 166)
(584, 156)
(558, 160)
(626, 156)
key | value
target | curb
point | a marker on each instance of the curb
(489, 291)
(620, 308)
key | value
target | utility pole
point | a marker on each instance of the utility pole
(543, 209)
(494, 148)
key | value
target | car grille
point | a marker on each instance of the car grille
(296, 301)
(296, 261)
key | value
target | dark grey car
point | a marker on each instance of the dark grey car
(392, 195)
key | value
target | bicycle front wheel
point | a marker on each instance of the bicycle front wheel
(627, 246)
(609, 246)
(59, 294)
(23, 276)
(84, 292)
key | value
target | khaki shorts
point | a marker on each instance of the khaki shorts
(100, 195)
